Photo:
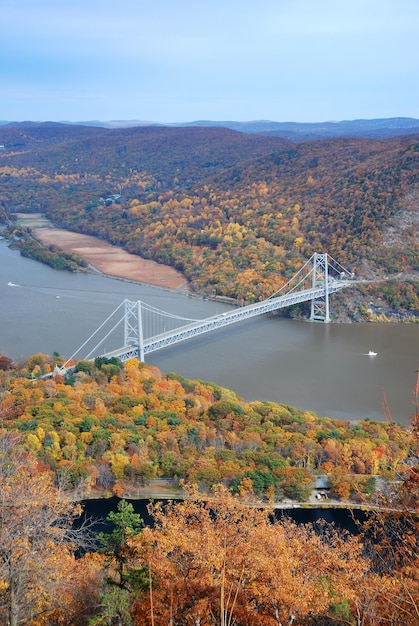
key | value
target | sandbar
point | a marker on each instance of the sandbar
(111, 260)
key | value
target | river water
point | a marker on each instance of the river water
(313, 366)
(98, 510)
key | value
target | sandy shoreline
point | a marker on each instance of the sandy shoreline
(109, 259)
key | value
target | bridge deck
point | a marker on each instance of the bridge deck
(194, 329)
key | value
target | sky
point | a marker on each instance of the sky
(186, 60)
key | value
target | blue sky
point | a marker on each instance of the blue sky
(185, 60)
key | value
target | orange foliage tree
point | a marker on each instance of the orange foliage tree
(36, 537)
(217, 560)
(392, 534)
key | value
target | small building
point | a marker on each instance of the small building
(114, 198)
(321, 487)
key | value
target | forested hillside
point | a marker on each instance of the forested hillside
(113, 429)
(236, 213)
(171, 157)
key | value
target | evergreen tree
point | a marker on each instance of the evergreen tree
(123, 561)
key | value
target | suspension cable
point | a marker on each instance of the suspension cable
(93, 334)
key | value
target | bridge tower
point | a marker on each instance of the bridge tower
(320, 278)
(133, 327)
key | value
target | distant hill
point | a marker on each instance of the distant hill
(295, 131)
(184, 154)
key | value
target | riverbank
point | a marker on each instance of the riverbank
(152, 493)
(104, 257)
(166, 489)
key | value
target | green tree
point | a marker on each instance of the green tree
(123, 562)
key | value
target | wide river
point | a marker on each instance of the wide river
(313, 366)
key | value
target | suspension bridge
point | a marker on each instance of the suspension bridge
(147, 329)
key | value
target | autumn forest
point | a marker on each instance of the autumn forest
(237, 214)
(217, 556)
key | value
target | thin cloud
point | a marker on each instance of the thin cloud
(234, 59)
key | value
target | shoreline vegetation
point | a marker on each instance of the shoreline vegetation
(102, 256)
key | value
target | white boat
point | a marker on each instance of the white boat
(372, 353)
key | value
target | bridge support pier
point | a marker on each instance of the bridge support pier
(320, 306)
(133, 327)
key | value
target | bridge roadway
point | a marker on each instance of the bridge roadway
(194, 329)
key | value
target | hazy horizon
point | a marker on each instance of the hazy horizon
(207, 121)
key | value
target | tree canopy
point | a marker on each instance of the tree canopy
(115, 429)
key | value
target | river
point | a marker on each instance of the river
(97, 511)
(313, 366)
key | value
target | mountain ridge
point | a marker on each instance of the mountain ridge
(296, 131)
